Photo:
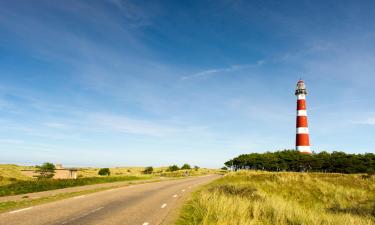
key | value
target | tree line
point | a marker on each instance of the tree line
(292, 160)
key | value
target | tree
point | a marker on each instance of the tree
(186, 167)
(148, 170)
(173, 168)
(104, 172)
(196, 168)
(292, 160)
(45, 171)
(224, 168)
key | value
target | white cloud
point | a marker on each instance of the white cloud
(132, 126)
(368, 121)
(229, 69)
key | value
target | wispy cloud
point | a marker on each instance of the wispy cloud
(368, 121)
(132, 126)
(232, 68)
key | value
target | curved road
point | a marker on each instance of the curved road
(142, 204)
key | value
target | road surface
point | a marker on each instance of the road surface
(142, 204)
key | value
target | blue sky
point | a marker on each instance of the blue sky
(126, 83)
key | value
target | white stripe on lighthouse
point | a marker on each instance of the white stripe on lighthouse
(303, 148)
(302, 130)
(301, 113)
(301, 96)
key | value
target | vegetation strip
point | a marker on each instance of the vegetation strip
(292, 160)
(30, 186)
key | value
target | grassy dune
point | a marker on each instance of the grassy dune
(246, 198)
(10, 173)
(13, 182)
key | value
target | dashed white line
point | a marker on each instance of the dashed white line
(95, 210)
(145, 223)
(175, 196)
(163, 206)
(20, 210)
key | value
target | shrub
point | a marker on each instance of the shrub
(186, 167)
(45, 171)
(196, 168)
(173, 168)
(148, 170)
(224, 168)
(104, 172)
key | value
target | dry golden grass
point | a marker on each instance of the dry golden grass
(138, 171)
(246, 198)
(10, 172)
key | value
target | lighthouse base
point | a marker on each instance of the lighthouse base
(304, 149)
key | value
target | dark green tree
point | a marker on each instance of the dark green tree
(45, 171)
(186, 167)
(104, 172)
(148, 170)
(173, 168)
(292, 160)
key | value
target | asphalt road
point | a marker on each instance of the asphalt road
(142, 204)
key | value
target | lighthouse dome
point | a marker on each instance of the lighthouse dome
(301, 88)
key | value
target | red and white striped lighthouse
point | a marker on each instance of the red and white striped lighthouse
(302, 134)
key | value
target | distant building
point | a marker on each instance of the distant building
(60, 172)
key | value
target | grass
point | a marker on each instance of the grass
(13, 182)
(10, 173)
(248, 197)
(30, 186)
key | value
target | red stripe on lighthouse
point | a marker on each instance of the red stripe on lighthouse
(302, 121)
(302, 140)
(301, 104)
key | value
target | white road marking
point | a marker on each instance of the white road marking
(175, 196)
(183, 190)
(145, 223)
(20, 210)
(163, 206)
(95, 210)
(81, 196)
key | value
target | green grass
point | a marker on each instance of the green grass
(30, 186)
(246, 198)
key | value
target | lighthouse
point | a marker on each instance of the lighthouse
(302, 131)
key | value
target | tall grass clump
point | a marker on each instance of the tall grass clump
(246, 198)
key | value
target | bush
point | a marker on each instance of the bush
(196, 168)
(45, 171)
(186, 167)
(104, 172)
(148, 170)
(173, 168)
(224, 168)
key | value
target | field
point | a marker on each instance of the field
(13, 182)
(249, 197)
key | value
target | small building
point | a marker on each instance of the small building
(60, 172)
